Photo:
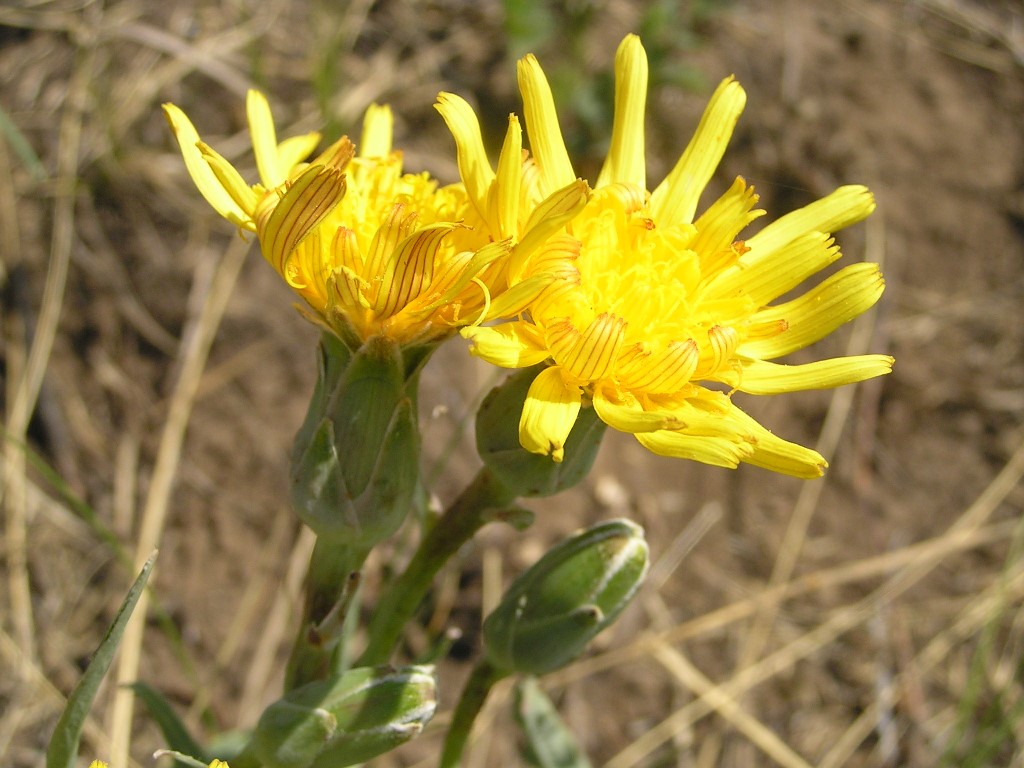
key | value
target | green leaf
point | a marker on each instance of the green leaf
(63, 748)
(549, 743)
(179, 740)
(17, 141)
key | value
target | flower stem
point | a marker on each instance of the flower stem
(479, 685)
(330, 584)
(469, 513)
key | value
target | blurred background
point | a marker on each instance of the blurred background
(154, 375)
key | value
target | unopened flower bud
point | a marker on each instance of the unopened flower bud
(347, 718)
(525, 473)
(553, 610)
(355, 464)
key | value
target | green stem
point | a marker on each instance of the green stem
(479, 685)
(468, 514)
(330, 582)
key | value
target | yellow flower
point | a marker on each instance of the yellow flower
(666, 314)
(97, 764)
(372, 249)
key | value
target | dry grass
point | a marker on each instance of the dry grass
(871, 619)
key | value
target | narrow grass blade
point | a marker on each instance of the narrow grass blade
(549, 743)
(63, 749)
(17, 141)
(179, 740)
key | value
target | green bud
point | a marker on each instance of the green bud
(355, 464)
(525, 473)
(553, 610)
(347, 718)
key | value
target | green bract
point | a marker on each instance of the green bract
(355, 465)
(522, 472)
(553, 610)
(347, 718)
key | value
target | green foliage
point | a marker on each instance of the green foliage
(63, 748)
(173, 729)
(549, 743)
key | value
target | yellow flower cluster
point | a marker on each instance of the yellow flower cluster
(371, 249)
(641, 308)
(664, 314)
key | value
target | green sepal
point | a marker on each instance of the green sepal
(346, 718)
(555, 608)
(525, 473)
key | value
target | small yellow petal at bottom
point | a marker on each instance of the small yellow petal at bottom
(508, 345)
(549, 412)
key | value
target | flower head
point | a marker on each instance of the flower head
(371, 249)
(664, 314)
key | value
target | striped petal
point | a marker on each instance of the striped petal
(590, 354)
(846, 206)
(765, 276)
(779, 330)
(307, 202)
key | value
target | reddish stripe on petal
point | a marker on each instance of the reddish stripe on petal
(589, 356)
(663, 372)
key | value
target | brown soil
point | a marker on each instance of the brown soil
(923, 101)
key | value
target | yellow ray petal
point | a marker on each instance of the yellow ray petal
(555, 212)
(590, 354)
(804, 320)
(717, 451)
(778, 455)
(846, 206)
(758, 377)
(542, 127)
(675, 199)
(243, 195)
(666, 370)
(505, 189)
(509, 345)
(776, 272)
(264, 140)
(378, 127)
(626, 162)
(307, 202)
(549, 413)
(295, 149)
(202, 175)
(622, 411)
(474, 167)
(411, 268)
(398, 226)
(723, 221)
